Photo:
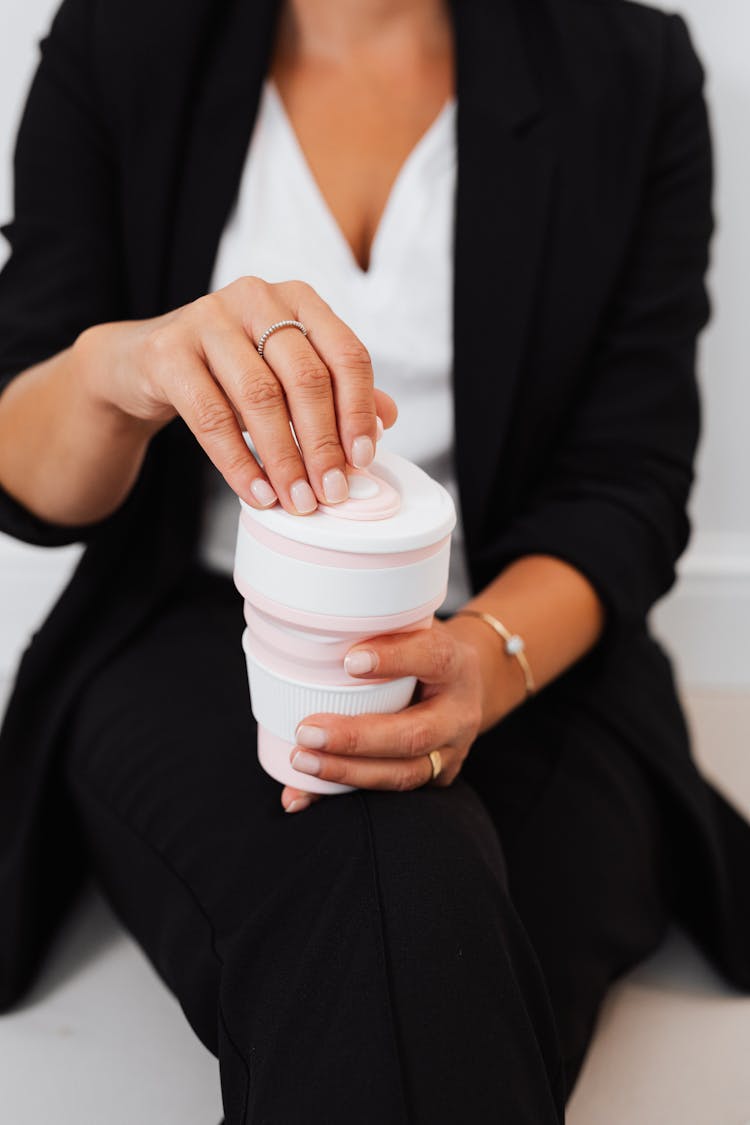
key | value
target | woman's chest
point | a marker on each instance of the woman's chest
(356, 133)
(281, 227)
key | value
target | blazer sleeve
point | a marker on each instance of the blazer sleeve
(65, 268)
(613, 499)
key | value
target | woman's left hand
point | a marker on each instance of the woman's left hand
(392, 751)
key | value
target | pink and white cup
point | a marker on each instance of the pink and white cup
(316, 585)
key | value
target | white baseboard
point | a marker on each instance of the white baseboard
(704, 621)
(31, 579)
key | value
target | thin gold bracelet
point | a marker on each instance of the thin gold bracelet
(513, 644)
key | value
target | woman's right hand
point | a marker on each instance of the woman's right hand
(201, 362)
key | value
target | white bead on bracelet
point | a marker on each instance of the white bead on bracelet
(512, 643)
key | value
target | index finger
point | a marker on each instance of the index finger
(350, 367)
(429, 654)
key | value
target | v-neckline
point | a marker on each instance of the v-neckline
(386, 218)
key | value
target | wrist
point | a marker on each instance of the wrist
(503, 687)
(97, 369)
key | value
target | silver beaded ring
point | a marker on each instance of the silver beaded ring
(275, 327)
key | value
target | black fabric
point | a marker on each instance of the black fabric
(583, 215)
(429, 957)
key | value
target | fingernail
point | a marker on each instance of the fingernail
(306, 763)
(263, 493)
(380, 428)
(363, 452)
(335, 486)
(359, 663)
(298, 804)
(303, 497)
(313, 738)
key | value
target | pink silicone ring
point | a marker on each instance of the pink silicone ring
(351, 560)
(327, 622)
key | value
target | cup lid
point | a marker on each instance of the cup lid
(393, 506)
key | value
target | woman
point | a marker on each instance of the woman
(435, 945)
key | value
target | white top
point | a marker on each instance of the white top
(400, 308)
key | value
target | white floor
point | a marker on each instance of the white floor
(101, 1041)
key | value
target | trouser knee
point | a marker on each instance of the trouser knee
(390, 953)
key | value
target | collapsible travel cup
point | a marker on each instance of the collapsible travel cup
(316, 585)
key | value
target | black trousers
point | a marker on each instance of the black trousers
(385, 958)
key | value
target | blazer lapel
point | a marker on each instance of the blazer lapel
(221, 117)
(506, 160)
(224, 109)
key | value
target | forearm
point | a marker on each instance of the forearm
(556, 611)
(65, 454)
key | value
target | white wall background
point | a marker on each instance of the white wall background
(706, 621)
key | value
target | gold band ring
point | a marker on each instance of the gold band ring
(436, 762)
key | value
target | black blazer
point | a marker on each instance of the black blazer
(583, 216)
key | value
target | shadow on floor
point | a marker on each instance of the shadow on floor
(88, 933)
